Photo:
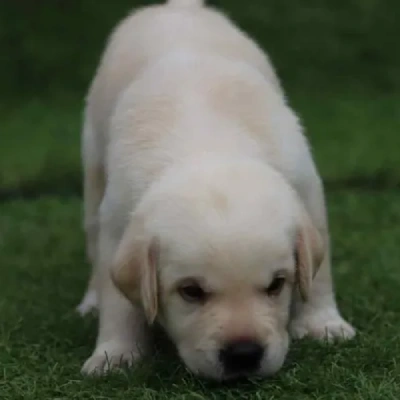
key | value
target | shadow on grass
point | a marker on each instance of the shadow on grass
(69, 184)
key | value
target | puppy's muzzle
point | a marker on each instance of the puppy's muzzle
(241, 357)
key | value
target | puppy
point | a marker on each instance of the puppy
(203, 207)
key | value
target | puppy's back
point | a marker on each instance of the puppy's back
(151, 33)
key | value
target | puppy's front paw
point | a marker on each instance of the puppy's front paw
(322, 325)
(109, 356)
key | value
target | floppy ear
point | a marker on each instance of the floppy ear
(134, 271)
(309, 254)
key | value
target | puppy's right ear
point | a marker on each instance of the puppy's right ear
(134, 271)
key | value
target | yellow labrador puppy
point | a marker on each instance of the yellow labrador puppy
(203, 207)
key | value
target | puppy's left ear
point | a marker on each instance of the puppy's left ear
(134, 271)
(310, 251)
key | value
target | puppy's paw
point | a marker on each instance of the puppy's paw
(88, 304)
(110, 356)
(322, 325)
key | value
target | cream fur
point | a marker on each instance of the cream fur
(195, 166)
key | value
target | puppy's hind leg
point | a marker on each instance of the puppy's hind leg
(89, 302)
(93, 192)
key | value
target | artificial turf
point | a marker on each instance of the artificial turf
(355, 140)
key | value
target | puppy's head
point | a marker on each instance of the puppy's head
(217, 264)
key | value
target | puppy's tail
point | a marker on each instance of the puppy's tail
(186, 3)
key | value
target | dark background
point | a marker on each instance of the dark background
(339, 62)
(52, 45)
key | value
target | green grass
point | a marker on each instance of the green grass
(39, 145)
(43, 342)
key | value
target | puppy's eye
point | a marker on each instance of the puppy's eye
(193, 293)
(276, 286)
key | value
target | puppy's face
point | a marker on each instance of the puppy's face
(218, 271)
(226, 305)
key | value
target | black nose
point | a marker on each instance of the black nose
(241, 356)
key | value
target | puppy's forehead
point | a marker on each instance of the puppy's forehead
(222, 262)
(239, 235)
